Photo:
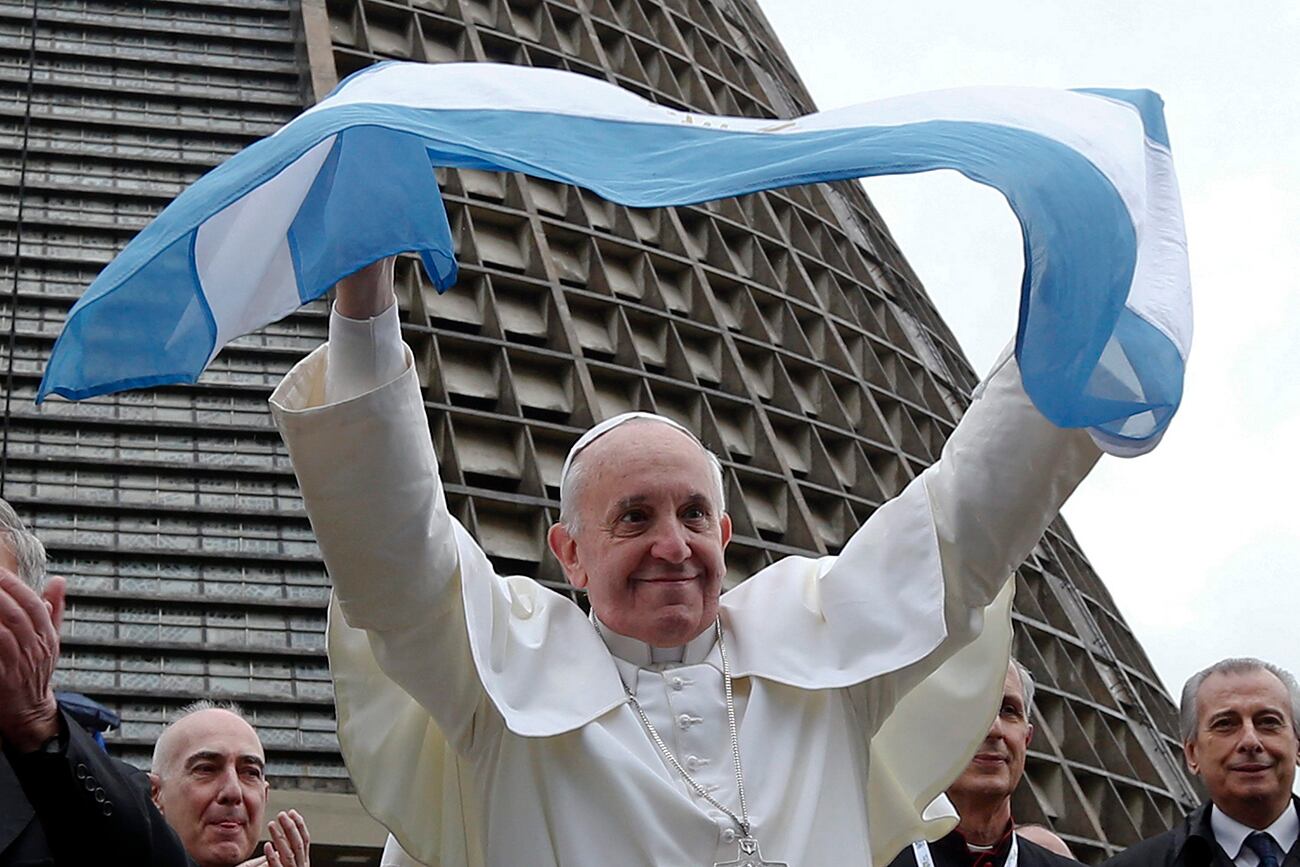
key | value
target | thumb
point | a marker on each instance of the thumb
(55, 595)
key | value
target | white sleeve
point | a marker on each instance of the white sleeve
(1002, 478)
(363, 354)
(910, 586)
(369, 479)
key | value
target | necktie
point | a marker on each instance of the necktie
(1266, 848)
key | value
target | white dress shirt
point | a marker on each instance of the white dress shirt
(483, 717)
(1231, 835)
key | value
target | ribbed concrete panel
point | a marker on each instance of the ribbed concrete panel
(785, 327)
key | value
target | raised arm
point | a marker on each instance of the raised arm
(353, 417)
(1002, 478)
(910, 587)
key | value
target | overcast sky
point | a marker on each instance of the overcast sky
(1199, 541)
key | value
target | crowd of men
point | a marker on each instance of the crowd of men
(553, 737)
(64, 801)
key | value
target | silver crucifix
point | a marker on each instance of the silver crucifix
(749, 856)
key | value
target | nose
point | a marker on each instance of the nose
(230, 792)
(671, 544)
(1250, 741)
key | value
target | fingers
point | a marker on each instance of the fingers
(290, 841)
(55, 596)
(22, 611)
(272, 855)
(300, 829)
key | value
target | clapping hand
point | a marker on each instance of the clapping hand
(289, 844)
(29, 650)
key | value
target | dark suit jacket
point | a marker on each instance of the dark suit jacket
(951, 851)
(80, 807)
(1190, 843)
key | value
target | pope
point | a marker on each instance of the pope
(805, 717)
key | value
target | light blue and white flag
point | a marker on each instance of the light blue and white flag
(1105, 309)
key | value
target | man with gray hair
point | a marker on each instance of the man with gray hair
(1240, 721)
(985, 835)
(62, 799)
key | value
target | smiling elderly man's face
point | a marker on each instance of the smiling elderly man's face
(650, 534)
(1245, 747)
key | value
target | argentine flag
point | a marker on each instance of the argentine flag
(1105, 310)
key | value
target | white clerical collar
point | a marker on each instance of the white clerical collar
(631, 653)
(1231, 834)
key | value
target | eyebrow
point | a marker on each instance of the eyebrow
(214, 756)
(641, 499)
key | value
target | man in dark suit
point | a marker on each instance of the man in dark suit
(1239, 721)
(62, 799)
(986, 835)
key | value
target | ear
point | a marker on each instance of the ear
(724, 524)
(565, 549)
(1189, 756)
(1029, 733)
(155, 790)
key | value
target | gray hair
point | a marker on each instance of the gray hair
(203, 704)
(27, 549)
(1187, 708)
(577, 471)
(1026, 684)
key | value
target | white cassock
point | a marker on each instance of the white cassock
(483, 718)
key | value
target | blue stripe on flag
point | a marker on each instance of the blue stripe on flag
(375, 195)
(154, 330)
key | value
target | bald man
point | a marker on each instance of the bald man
(209, 782)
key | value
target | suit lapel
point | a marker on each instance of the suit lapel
(17, 812)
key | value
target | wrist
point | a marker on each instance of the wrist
(35, 729)
(367, 292)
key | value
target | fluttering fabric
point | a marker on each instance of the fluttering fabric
(1105, 312)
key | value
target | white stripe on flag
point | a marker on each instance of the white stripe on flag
(242, 256)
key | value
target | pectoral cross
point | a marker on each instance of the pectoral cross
(749, 856)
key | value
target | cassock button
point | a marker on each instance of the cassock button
(677, 683)
(82, 771)
(695, 762)
(728, 835)
(685, 721)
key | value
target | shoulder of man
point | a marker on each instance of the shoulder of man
(1033, 855)
(89, 802)
(906, 858)
(1177, 847)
